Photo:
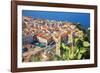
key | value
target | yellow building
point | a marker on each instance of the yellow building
(57, 39)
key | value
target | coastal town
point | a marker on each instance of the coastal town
(42, 38)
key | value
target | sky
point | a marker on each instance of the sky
(82, 18)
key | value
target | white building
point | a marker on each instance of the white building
(44, 39)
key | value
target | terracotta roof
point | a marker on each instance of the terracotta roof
(44, 36)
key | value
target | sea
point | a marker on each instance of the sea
(75, 17)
